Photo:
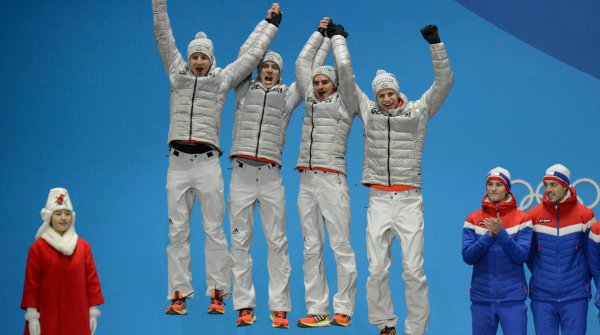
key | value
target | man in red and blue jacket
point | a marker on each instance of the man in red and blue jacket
(560, 278)
(496, 241)
(594, 259)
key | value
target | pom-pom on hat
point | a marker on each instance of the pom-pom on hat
(560, 174)
(272, 56)
(384, 80)
(500, 174)
(328, 71)
(201, 44)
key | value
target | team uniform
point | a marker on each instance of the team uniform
(61, 281)
(498, 286)
(594, 259)
(196, 104)
(261, 119)
(559, 286)
(392, 167)
(323, 192)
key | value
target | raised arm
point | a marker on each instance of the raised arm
(247, 61)
(308, 55)
(323, 50)
(433, 98)
(348, 89)
(273, 16)
(170, 56)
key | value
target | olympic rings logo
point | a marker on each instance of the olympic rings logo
(527, 201)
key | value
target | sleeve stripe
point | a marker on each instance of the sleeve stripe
(594, 237)
(520, 227)
(478, 230)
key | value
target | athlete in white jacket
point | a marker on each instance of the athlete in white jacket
(323, 187)
(263, 110)
(198, 91)
(394, 135)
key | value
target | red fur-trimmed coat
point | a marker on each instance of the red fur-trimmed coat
(61, 287)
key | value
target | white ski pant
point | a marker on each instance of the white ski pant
(324, 196)
(396, 214)
(192, 176)
(251, 186)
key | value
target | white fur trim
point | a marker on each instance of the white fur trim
(64, 243)
(95, 312)
(32, 314)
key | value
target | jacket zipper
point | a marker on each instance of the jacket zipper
(312, 121)
(494, 267)
(262, 116)
(192, 109)
(388, 153)
(557, 248)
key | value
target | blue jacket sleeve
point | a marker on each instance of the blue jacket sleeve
(518, 248)
(474, 246)
(593, 257)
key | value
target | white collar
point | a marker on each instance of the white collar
(64, 243)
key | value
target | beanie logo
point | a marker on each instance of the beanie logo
(60, 199)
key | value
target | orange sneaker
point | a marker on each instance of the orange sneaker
(217, 306)
(279, 320)
(246, 317)
(341, 320)
(314, 320)
(177, 306)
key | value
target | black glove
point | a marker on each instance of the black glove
(275, 19)
(339, 30)
(330, 28)
(322, 30)
(430, 34)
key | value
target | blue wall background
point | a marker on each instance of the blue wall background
(85, 106)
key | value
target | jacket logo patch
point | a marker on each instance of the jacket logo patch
(256, 86)
(235, 231)
(544, 220)
(378, 111)
(60, 199)
(311, 100)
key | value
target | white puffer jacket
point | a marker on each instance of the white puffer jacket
(394, 141)
(327, 123)
(196, 103)
(261, 119)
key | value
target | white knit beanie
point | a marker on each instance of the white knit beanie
(384, 80)
(272, 56)
(328, 71)
(500, 174)
(558, 173)
(201, 44)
